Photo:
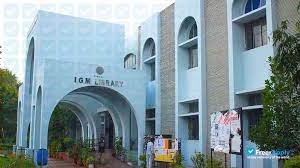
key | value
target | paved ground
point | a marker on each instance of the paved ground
(52, 163)
(109, 162)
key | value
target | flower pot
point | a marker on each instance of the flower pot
(64, 156)
(91, 166)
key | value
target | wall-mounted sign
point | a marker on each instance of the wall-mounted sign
(226, 134)
(98, 82)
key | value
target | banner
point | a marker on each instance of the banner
(220, 132)
(165, 149)
(235, 131)
(226, 131)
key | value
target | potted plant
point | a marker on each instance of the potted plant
(118, 147)
(84, 154)
(56, 146)
(75, 152)
(143, 159)
(91, 161)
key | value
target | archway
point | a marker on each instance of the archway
(65, 128)
(37, 113)
(26, 107)
(28, 136)
(87, 100)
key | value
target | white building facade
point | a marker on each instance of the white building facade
(73, 67)
(191, 59)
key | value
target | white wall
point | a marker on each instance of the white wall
(150, 28)
(191, 84)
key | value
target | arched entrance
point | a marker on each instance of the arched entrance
(86, 78)
(65, 128)
(90, 103)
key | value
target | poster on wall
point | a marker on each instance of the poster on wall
(235, 131)
(226, 131)
(220, 132)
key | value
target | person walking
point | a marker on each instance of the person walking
(150, 152)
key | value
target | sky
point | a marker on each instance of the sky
(16, 17)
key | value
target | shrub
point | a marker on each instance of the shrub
(143, 158)
(16, 162)
(199, 160)
(6, 146)
(68, 143)
(84, 154)
(118, 146)
(214, 163)
(294, 162)
(55, 146)
(91, 160)
(178, 161)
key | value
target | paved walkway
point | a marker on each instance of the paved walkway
(109, 162)
(52, 163)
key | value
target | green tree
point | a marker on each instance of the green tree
(279, 126)
(8, 104)
(63, 120)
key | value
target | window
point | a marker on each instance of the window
(253, 117)
(193, 31)
(255, 99)
(152, 71)
(152, 50)
(150, 127)
(150, 113)
(149, 49)
(193, 57)
(193, 107)
(254, 4)
(256, 33)
(193, 128)
(130, 61)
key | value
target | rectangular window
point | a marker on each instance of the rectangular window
(193, 127)
(193, 57)
(256, 33)
(152, 69)
(253, 117)
(193, 107)
(150, 113)
(255, 99)
(150, 127)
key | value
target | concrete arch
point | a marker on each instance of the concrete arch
(115, 98)
(118, 123)
(80, 112)
(106, 98)
(186, 25)
(19, 113)
(26, 113)
(148, 48)
(130, 61)
(238, 7)
(38, 118)
(30, 59)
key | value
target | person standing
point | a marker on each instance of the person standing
(150, 152)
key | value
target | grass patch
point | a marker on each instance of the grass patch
(19, 162)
